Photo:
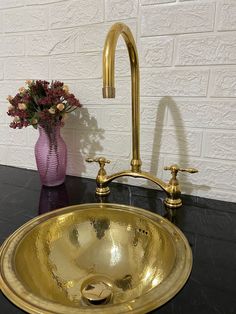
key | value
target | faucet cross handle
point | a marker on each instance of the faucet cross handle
(102, 188)
(101, 160)
(175, 169)
(173, 200)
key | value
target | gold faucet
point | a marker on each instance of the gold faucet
(172, 188)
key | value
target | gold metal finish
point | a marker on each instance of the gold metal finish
(101, 189)
(173, 190)
(175, 169)
(173, 199)
(97, 292)
(94, 258)
(109, 81)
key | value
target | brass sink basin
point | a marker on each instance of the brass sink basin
(100, 258)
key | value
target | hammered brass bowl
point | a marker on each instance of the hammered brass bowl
(100, 258)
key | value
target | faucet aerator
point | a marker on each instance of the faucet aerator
(109, 92)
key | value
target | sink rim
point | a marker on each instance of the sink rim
(141, 304)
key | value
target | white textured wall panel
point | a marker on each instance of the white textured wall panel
(187, 52)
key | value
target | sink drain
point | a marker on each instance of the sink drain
(97, 293)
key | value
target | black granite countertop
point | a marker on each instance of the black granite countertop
(209, 225)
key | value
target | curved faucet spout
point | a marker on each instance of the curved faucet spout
(109, 82)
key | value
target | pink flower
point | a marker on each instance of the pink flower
(34, 121)
(60, 107)
(52, 110)
(9, 97)
(11, 107)
(22, 90)
(22, 106)
(65, 88)
(16, 119)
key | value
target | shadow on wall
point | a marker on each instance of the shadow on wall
(88, 137)
(183, 158)
(167, 103)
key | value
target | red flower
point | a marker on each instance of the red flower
(41, 100)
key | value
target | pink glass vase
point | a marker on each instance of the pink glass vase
(51, 156)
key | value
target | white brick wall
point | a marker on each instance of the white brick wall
(226, 15)
(179, 18)
(74, 13)
(187, 52)
(25, 19)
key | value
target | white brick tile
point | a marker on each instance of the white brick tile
(3, 113)
(83, 66)
(68, 136)
(9, 88)
(202, 114)
(226, 15)
(117, 165)
(11, 45)
(156, 51)
(73, 120)
(154, 166)
(10, 136)
(1, 22)
(92, 37)
(220, 145)
(75, 13)
(116, 118)
(153, 113)
(37, 2)
(51, 42)
(111, 118)
(26, 68)
(23, 157)
(90, 92)
(25, 19)
(1, 71)
(90, 118)
(156, 82)
(76, 165)
(146, 2)
(110, 143)
(120, 9)
(203, 50)
(32, 136)
(3, 154)
(161, 20)
(122, 63)
(4, 118)
(4, 4)
(172, 141)
(223, 83)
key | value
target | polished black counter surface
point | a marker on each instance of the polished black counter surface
(210, 227)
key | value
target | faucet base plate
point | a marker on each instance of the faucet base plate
(170, 203)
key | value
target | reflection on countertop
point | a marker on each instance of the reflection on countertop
(209, 225)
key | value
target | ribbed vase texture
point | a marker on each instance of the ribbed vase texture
(51, 156)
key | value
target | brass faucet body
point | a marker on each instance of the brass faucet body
(172, 188)
(109, 82)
